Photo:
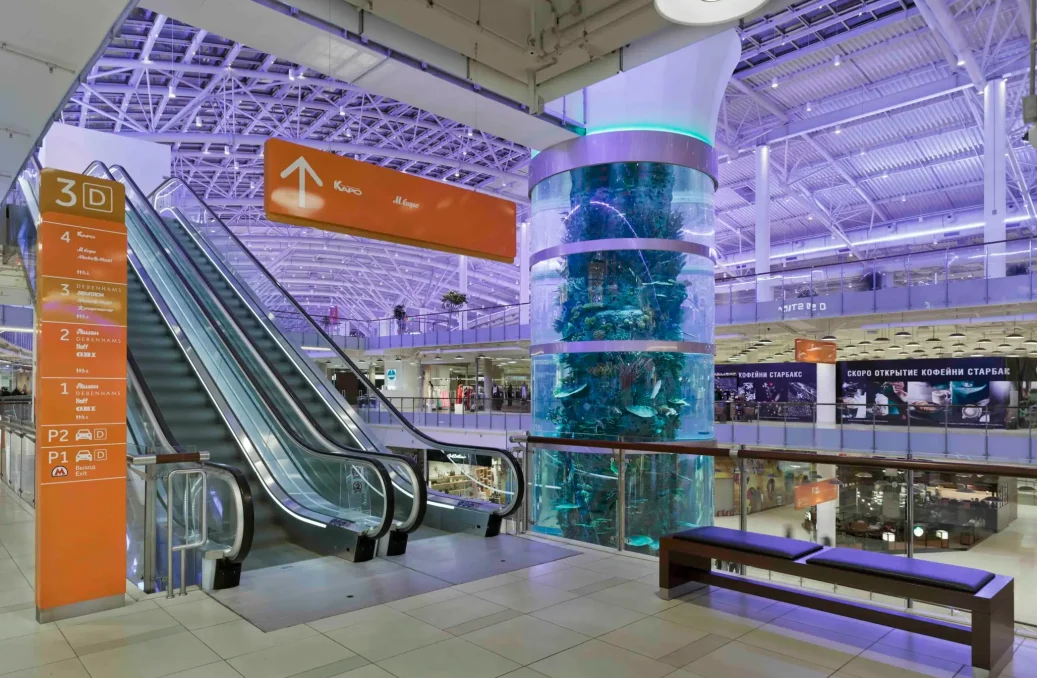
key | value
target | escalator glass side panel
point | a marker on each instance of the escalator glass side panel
(283, 317)
(269, 449)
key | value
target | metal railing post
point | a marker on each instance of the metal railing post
(171, 523)
(621, 499)
(151, 527)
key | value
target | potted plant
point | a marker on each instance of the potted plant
(399, 314)
(453, 300)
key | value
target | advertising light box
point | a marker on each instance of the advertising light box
(958, 392)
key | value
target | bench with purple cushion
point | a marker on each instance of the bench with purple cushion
(686, 560)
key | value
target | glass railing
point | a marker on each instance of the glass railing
(1012, 259)
(963, 513)
(279, 312)
(313, 487)
(793, 290)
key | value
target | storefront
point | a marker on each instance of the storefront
(466, 475)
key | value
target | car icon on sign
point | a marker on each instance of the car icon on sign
(84, 455)
(84, 434)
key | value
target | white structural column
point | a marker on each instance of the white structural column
(995, 199)
(523, 264)
(763, 221)
(462, 285)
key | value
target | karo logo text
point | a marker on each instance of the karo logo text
(342, 188)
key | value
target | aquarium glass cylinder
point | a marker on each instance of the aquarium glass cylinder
(622, 327)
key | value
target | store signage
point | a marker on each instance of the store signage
(812, 494)
(80, 393)
(308, 187)
(811, 351)
(390, 375)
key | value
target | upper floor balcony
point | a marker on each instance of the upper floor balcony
(952, 278)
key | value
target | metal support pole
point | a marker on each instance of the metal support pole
(621, 498)
(150, 527)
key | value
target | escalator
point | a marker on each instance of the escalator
(208, 403)
(233, 272)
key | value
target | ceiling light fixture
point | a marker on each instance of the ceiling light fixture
(829, 337)
(774, 83)
(1014, 336)
(837, 61)
(902, 334)
(956, 335)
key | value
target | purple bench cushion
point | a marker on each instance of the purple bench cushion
(905, 569)
(750, 542)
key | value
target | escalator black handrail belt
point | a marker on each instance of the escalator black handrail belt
(248, 515)
(341, 354)
(420, 490)
(352, 452)
(387, 520)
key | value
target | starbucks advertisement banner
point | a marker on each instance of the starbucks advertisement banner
(777, 389)
(958, 392)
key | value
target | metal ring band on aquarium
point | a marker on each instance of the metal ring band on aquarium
(613, 244)
(624, 146)
(623, 346)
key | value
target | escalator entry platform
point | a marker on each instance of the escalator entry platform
(278, 597)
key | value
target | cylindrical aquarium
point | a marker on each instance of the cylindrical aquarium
(622, 328)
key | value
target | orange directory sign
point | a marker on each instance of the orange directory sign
(811, 351)
(80, 395)
(812, 494)
(308, 187)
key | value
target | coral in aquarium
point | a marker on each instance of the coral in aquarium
(621, 295)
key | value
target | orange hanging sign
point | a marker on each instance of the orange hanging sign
(308, 187)
(80, 396)
(812, 494)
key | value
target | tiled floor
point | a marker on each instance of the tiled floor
(594, 615)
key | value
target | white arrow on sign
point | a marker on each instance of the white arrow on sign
(303, 168)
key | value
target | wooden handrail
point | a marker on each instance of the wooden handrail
(805, 456)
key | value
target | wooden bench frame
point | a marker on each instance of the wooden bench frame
(686, 566)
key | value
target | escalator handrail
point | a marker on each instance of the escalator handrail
(232, 475)
(516, 468)
(377, 464)
(282, 498)
(415, 480)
